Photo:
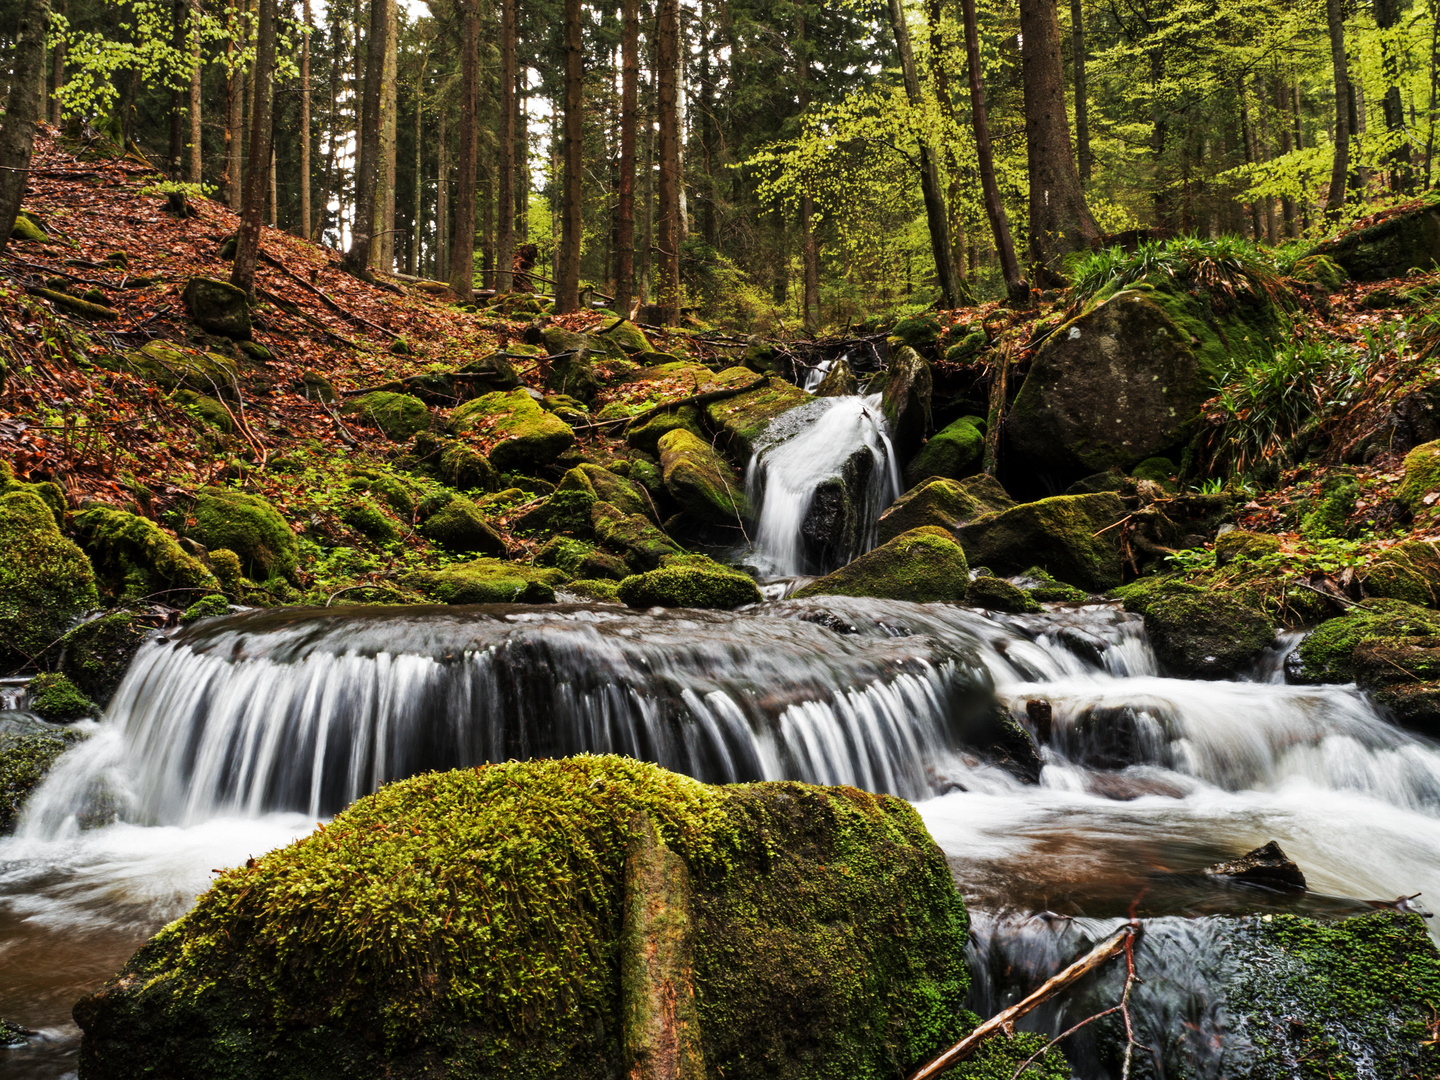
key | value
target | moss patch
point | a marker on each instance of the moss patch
(742, 419)
(642, 545)
(487, 581)
(1066, 534)
(1198, 634)
(55, 698)
(25, 760)
(951, 452)
(399, 416)
(1422, 476)
(1409, 571)
(1328, 652)
(134, 557)
(997, 594)
(96, 654)
(695, 582)
(250, 527)
(461, 527)
(923, 565)
(705, 485)
(514, 430)
(46, 582)
(950, 504)
(1239, 544)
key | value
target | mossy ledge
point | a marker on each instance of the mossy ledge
(468, 923)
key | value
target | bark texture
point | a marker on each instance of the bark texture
(462, 247)
(257, 170)
(667, 63)
(505, 172)
(625, 202)
(22, 111)
(567, 287)
(367, 168)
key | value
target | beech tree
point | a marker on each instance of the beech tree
(257, 169)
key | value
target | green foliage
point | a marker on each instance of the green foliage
(1225, 265)
(51, 696)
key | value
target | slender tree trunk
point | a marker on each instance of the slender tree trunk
(625, 207)
(412, 265)
(306, 221)
(1016, 287)
(196, 135)
(941, 80)
(567, 288)
(1082, 101)
(234, 98)
(522, 158)
(809, 249)
(274, 200)
(647, 239)
(382, 254)
(367, 169)
(442, 201)
(1387, 17)
(1335, 20)
(329, 187)
(668, 76)
(936, 215)
(1247, 133)
(1060, 222)
(179, 98)
(1263, 147)
(24, 105)
(1434, 9)
(505, 172)
(57, 69)
(247, 247)
(1287, 145)
(462, 247)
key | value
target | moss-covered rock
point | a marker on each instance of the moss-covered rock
(950, 504)
(46, 582)
(567, 511)
(209, 409)
(997, 594)
(133, 558)
(580, 559)
(1409, 571)
(742, 419)
(250, 527)
(207, 607)
(923, 565)
(1422, 478)
(828, 937)
(370, 521)
(96, 654)
(1157, 470)
(1390, 248)
(905, 401)
(466, 469)
(610, 487)
(26, 229)
(387, 488)
(1328, 652)
(1240, 544)
(1065, 534)
(1319, 270)
(25, 760)
(46, 491)
(1199, 633)
(918, 331)
(627, 335)
(399, 416)
(496, 371)
(316, 387)
(519, 433)
(702, 482)
(595, 590)
(951, 452)
(225, 565)
(694, 582)
(839, 381)
(462, 527)
(174, 368)
(218, 306)
(487, 581)
(53, 697)
(1041, 585)
(968, 347)
(646, 434)
(642, 544)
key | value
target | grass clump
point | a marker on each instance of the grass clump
(1226, 264)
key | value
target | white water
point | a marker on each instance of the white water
(803, 450)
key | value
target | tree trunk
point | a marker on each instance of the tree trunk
(567, 287)
(1060, 222)
(196, 135)
(442, 200)
(367, 168)
(522, 160)
(809, 249)
(505, 178)
(57, 71)
(179, 97)
(462, 245)
(644, 287)
(1016, 287)
(1387, 17)
(382, 253)
(306, 223)
(23, 108)
(625, 204)
(1335, 20)
(247, 247)
(328, 185)
(1287, 145)
(941, 80)
(667, 291)
(1082, 101)
(234, 98)
(936, 215)
(1257, 227)
(412, 264)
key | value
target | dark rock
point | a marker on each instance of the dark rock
(462, 528)
(906, 400)
(952, 452)
(839, 381)
(1391, 248)
(950, 504)
(1267, 866)
(218, 306)
(1068, 535)
(924, 565)
(997, 594)
(833, 529)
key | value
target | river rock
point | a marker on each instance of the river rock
(839, 381)
(640, 542)
(742, 419)
(951, 452)
(835, 524)
(701, 481)
(96, 654)
(923, 565)
(1409, 571)
(646, 434)
(905, 401)
(1422, 478)
(1267, 865)
(53, 697)
(515, 432)
(461, 527)
(1404, 241)
(487, 581)
(133, 558)
(827, 937)
(692, 582)
(249, 526)
(25, 760)
(1199, 633)
(950, 504)
(997, 594)
(1065, 534)
(218, 306)
(46, 582)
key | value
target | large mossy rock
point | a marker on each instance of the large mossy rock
(701, 481)
(218, 306)
(1409, 571)
(516, 431)
(134, 558)
(1422, 478)
(57, 700)
(1065, 534)
(742, 419)
(460, 526)
(488, 581)
(468, 924)
(1388, 249)
(1199, 633)
(950, 504)
(642, 544)
(691, 582)
(905, 401)
(46, 582)
(923, 565)
(250, 527)
(1124, 380)
(209, 373)
(646, 434)
(96, 654)
(25, 760)
(399, 416)
(951, 452)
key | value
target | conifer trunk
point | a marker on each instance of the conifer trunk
(667, 293)
(23, 107)
(625, 204)
(1082, 100)
(367, 168)
(505, 178)
(382, 252)
(462, 245)
(412, 265)
(1335, 21)
(234, 98)
(257, 170)
(567, 277)
(57, 70)
(196, 134)
(306, 225)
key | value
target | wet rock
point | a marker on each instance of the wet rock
(250, 527)
(1041, 715)
(834, 525)
(692, 582)
(742, 419)
(646, 434)
(640, 543)
(399, 416)
(96, 654)
(46, 582)
(950, 504)
(1199, 633)
(1042, 586)
(702, 482)
(1266, 866)
(830, 621)
(997, 594)
(1388, 249)
(839, 381)
(25, 760)
(905, 401)
(53, 697)
(14, 1034)
(487, 581)
(218, 306)
(133, 558)
(461, 527)
(1069, 535)
(520, 434)
(952, 452)
(923, 565)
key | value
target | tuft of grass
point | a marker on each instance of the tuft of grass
(1225, 264)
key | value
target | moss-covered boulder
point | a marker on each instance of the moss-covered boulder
(828, 938)
(905, 401)
(1041, 585)
(25, 760)
(1330, 653)
(218, 306)
(646, 434)
(53, 697)
(249, 526)
(1199, 633)
(1245, 545)
(573, 374)
(607, 486)
(580, 559)
(705, 485)
(466, 469)
(47, 491)
(951, 452)
(968, 347)
(460, 526)
(493, 372)
(371, 522)
(693, 582)
(96, 654)
(385, 487)
(950, 504)
(923, 565)
(209, 409)
(1391, 248)
(839, 381)
(46, 582)
(1409, 571)
(627, 335)
(26, 229)
(399, 416)
(487, 581)
(515, 431)
(642, 544)
(1422, 478)
(133, 558)
(742, 419)
(207, 373)
(316, 387)
(1319, 270)
(997, 594)
(1071, 536)
(918, 331)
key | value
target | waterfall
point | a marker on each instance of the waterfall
(820, 476)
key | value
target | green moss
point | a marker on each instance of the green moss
(134, 557)
(25, 760)
(1422, 476)
(1071, 536)
(488, 581)
(923, 565)
(55, 698)
(462, 527)
(209, 409)
(1319, 270)
(952, 452)
(370, 521)
(249, 526)
(967, 348)
(646, 434)
(610, 487)
(466, 469)
(918, 331)
(1328, 652)
(1157, 470)
(519, 432)
(25, 229)
(467, 923)
(174, 368)
(391, 491)
(597, 590)
(96, 654)
(696, 582)
(399, 416)
(997, 594)
(12, 1034)
(1238, 544)
(1205, 635)
(703, 483)
(643, 545)
(46, 582)
(1409, 571)
(949, 504)
(1047, 590)
(742, 419)
(317, 387)
(225, 564)
(46, 491)
(207, 607)
(1331, 517)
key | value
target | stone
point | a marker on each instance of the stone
(839, 381)
(249, 526)
(950, 504)
(54, 698)
(1198, 633)
(742, 419)
(175, 368)
(25, 760)
(905, 401)
(218, 306)
(997, 594)
(1268, 866)
(693, 582)
(1409, 571)
(968, 347)
(495, 371)
(134, 559)
(924, 565)
(951, 452)
(1403, 241)
(26, 229)
(1421, 487)
(1071, 536)
(514, 430)
(701, 481)
(646, 434)
(97, 653)
(367, 519)
(1240, 544)
(627, 335)
(398, 416)
(918, 331)
(461, 527)
(316, 387)
(46, 582)
(466, 469)
(487, 581)
(643, 545)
